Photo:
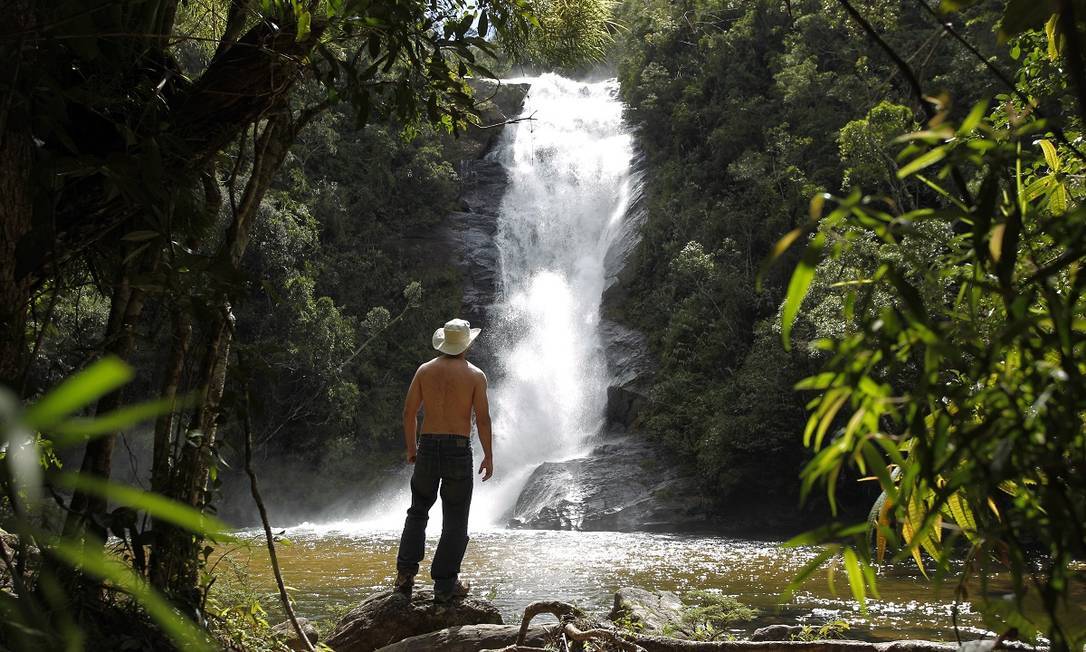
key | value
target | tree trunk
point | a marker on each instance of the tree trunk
(126, 307)
(175, 557)
(16, 224)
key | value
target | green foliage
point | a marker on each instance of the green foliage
(957, 384)
(744, 111)
(832, 630)
(568, 33)
(708, 615)
(27, 464)
(866, 145)
(236, 612)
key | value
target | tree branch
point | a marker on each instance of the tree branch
(283, 596)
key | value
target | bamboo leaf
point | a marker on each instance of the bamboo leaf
(782, 245)
(154, 504)
(78, 430)
(92, 560)
(1055, 42)
(807, 570)
(1059, 201)
(855, 578)
(77, 392)
(799, 286)
(924, 160)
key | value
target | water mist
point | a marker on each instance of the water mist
(569, 167)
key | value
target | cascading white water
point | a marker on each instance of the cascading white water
(569, 166)
(569, 184)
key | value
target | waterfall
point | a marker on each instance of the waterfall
(569, 167)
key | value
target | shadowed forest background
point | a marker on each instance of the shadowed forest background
(228, 211)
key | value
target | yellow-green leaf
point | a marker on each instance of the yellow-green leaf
(855, 578)
(1055, 44)
(799, 285)
(1051, 156)
(995, 242)
(920, 162)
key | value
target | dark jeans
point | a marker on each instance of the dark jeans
(443, 464)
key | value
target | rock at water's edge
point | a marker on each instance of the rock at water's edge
(285, 630)
(468, 638)
(652, 611)
(387, 617)
(624, 485)
(776, 632)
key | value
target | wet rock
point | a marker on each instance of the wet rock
(10, 544)
(387, 617)
(468, 638)
(776, 633)
(631, 368)
(649, 612)
(285, 630)
(623, 485)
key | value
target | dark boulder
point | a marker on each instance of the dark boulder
(623, 485)
(387, 617)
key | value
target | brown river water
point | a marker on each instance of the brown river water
(333, 567)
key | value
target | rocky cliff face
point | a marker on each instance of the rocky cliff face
(624, 483)
(466, 239)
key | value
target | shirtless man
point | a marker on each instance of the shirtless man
(449, 388)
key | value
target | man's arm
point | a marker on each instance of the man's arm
(411, 417)
(482, 421)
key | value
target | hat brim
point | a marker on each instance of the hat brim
(450, 348)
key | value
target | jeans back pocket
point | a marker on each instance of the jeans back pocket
(456, 464)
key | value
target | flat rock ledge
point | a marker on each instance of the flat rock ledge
(665, 644)
(469, 638)
(388, 617)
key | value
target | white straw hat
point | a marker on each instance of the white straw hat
(455, 337)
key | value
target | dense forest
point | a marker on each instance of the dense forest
(860, 259)
(745, 112)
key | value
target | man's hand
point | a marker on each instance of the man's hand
(488, 466)
(411, 455)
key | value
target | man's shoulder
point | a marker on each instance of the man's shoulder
(477, 371)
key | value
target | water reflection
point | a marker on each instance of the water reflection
(331, 566)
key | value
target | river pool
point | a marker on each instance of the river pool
(333, 567)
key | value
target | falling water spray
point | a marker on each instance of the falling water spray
(569, 167)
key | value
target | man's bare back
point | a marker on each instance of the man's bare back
(448, 389)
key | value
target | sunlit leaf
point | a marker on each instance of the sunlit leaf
(154, 504)
(77, 392)
(1051, 157)
(924, 160)
(799, 285)
(855, 578)
(79, 429)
